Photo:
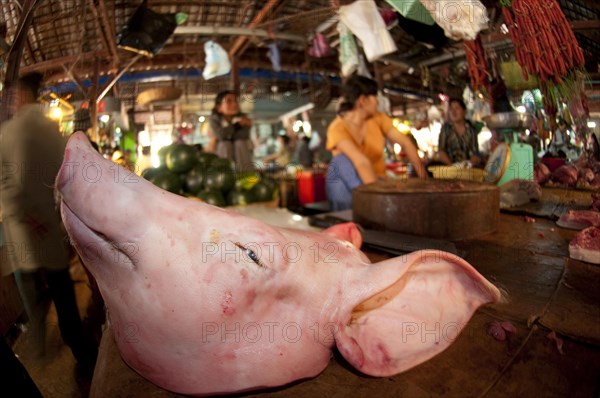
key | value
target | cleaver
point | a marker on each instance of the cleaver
(395, 243)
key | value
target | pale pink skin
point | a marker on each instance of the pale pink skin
(176, 286)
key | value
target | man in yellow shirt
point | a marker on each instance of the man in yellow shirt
(357, 138)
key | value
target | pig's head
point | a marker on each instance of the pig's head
(205, 301)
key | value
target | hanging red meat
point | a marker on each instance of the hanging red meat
(478, 66)
(545, 45)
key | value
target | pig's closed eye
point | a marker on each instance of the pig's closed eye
(250, 254)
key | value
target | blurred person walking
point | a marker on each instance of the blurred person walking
(37, 251)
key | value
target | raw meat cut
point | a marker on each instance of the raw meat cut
(205, 301)
(565, 176)
(596, 201)
(586, 246)
(519, 192)
(541, 173)
(579, 219)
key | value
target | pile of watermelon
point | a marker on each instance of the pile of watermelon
(206, 177)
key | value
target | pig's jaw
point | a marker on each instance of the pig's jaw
(94, 247)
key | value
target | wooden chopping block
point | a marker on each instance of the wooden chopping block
(443, 209)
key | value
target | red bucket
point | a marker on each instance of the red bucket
(311, 187)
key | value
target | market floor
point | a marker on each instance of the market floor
(56, 373)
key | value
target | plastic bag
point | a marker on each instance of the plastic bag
(363, 68)
(412, 9)
(348, 50)
(147, 31)
(217, 61)
(274, 56)
(461, 20)
(364, 20)
(320, 48)
(384, 103)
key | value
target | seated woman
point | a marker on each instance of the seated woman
(281, 157)
(458, 138)
(357, 139)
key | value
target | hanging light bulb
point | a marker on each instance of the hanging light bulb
(55, 113)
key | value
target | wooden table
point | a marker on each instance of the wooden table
(546, 291)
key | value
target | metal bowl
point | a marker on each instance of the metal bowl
(509, 120)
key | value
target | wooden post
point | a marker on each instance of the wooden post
(92, 104)
(14, 57)
(378, 75)
(235, 75)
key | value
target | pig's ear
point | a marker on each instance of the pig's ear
(415, 315)
(346, 231)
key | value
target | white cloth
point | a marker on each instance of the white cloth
(460, 19)
(348, 50)
(364, 20)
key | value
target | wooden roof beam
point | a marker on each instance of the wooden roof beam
(104, 38)
(14, 57)
(109, 31)
(30, 51)
(76, 80)
(168, 67)
(235, 31)
(262, 14)
(115, 79)
(57, 63)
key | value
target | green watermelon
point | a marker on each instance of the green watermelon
(181, 158)
(239, 198)
(272, 184)
(222, 180)
(194, 179)
(212, 197)
(168, 181)
(262, 192)
(205, 158)
(222, 164)
(162, 155)
(152, 172)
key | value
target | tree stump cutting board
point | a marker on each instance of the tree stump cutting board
(444, 209)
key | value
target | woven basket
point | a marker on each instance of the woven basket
(158, 95)
(457, 173)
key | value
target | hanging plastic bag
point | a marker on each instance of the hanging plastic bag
(388, 15)
(461, 20)
(217, 61)
(274, 56)
(348, 50)
(384, 103)
(412, 9)
(363, 69)
(320, 48)
(147, 31)
(364, 20)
